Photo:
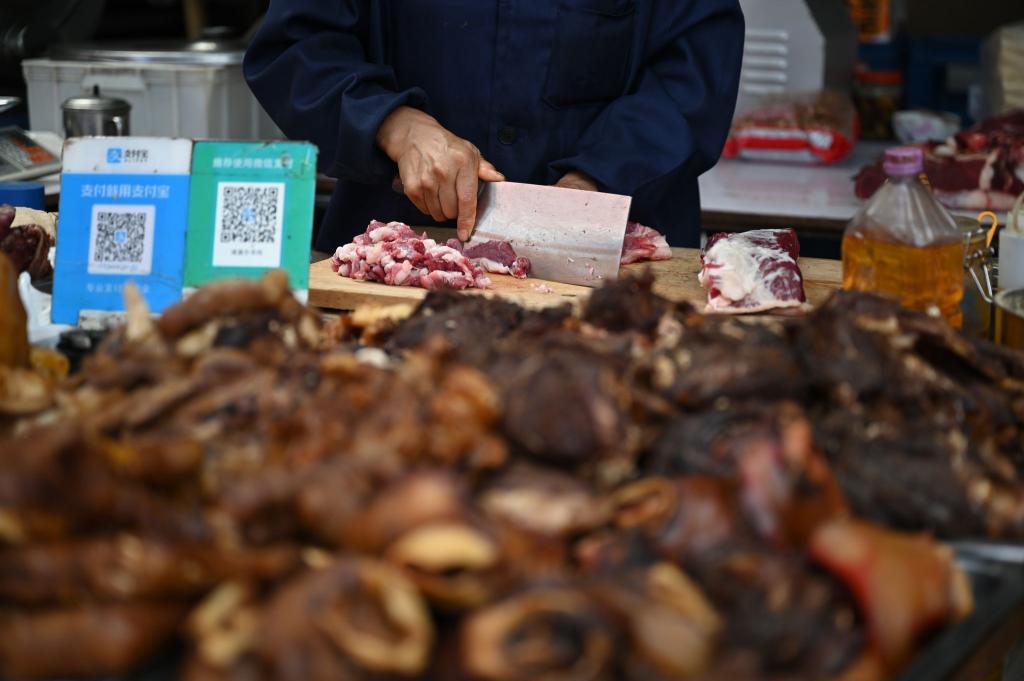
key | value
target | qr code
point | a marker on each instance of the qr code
(249, 224)
(121, 239)
(250, 213)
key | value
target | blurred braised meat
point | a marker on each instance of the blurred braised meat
(628, 304)
(671, 629)
(706, 360)
(637, 493)
(922, 426)
(469, 323)
(84, 641)
(550, 632)
(904, 584)
(545, 501)
(356, 618)
(13, 321)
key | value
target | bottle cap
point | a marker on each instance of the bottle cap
(23, 194)
(904, 161)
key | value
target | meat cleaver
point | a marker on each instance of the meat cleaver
(569, 235)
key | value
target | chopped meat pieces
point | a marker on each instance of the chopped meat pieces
(752, 271)
(394, 254)
(643, 243)
(497, 257)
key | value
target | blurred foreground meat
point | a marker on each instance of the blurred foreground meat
(482, 492)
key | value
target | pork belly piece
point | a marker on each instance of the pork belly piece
(392, 253)
(752, 271)
(644, 243)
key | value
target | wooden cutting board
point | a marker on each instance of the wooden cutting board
(676, 279)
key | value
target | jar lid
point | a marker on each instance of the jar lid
(903, 161)
(23, 194)
(96, 103)
(200, 52)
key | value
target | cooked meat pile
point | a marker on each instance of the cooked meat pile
(485, 493)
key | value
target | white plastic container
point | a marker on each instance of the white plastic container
(173, 93)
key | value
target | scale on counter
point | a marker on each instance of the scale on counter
(22, 158)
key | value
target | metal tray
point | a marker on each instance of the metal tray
(974, 650)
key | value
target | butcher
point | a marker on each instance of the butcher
(414, 102)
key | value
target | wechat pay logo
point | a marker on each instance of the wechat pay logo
(115, 155)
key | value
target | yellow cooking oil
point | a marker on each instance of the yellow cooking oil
(924, 278)
(903, 243)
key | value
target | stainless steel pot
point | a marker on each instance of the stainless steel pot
(1010, 319)
(94, 115)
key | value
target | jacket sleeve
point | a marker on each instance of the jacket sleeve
(309, 67)
(677, 116)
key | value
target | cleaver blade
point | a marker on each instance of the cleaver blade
(570, 235)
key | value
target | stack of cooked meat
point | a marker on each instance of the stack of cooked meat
(481, 492)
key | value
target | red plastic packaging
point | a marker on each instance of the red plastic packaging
(817, 128)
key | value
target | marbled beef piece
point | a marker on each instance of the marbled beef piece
(752, 271)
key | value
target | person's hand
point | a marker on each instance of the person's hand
(577, 180)
(439, 171)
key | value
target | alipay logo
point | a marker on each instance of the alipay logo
(115, 155)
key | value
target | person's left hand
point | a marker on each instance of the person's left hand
(577, 180)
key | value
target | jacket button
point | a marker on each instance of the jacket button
(507, 135)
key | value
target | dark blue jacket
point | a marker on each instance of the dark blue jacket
(637, 94)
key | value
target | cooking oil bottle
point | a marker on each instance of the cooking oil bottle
(904, 244)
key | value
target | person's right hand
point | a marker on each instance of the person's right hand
(439, 171)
